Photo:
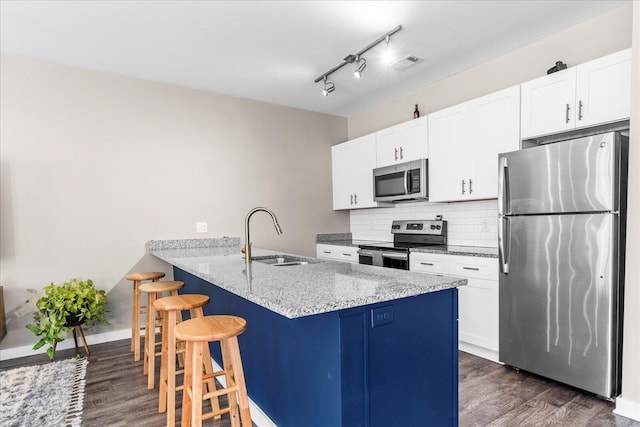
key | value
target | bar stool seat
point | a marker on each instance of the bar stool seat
(171, 307)
(197, 333)
(137, 308)
(154, 290)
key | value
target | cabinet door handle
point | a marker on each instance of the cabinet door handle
(471, 268)
(395, 156)
(470, 186)
(346, 254)
(426, 263)
(351, 196)
(355, 199)
(401, 154)
(579, 110)
(463, 187)
(327, 252)
(566, 118)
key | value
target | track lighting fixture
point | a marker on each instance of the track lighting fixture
(328, 87)
(361, 63)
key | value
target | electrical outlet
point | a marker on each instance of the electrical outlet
(484, 227)
(201, 227)
(381, 316)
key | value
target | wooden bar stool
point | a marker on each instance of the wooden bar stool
(137, 308)
(171, 307)
(197, 333)
(154, 291)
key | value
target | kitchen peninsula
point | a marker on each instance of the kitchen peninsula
(331, 343)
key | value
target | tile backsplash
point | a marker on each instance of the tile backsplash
(469, 223)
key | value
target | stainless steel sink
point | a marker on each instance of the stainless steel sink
(281, 260)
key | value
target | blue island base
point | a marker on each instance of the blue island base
(380, 365)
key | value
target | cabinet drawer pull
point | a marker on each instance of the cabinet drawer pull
(401, 154)
(327, 252)
(579, 110)
(463, 186)
(355, 199)
(346, 254)
(470, 186)
(426, 263)
(471, 268)
(396, 154)
(351, 196)
(567, 114)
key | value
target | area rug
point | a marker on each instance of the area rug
(44, 395)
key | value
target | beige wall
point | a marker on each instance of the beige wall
(94, 165)
(597, 37)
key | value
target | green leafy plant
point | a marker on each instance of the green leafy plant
(73, 301)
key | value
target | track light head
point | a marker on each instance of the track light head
(328, 87)
(362, 64)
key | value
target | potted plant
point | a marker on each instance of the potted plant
(73, 303)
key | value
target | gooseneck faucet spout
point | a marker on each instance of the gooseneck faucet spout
(247, 241)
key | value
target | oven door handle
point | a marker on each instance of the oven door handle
(393, 255)
(365, 252)
(406, 182)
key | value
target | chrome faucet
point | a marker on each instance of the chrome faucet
(247, 242)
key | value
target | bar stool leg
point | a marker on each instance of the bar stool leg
(187, 396)
(135, 321)
(238, 376)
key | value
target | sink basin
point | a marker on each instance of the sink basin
(281, 260)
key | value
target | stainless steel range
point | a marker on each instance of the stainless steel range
(406, 235)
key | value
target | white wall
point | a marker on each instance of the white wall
(629, 402)
(94, 165)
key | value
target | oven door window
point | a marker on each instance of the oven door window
(393, 260)
(392, 184)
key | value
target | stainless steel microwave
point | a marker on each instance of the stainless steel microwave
(401, 182)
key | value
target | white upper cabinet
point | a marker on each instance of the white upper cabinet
(353, 164)
(464, 143)
(603, 89)
(402, 143)
(592, 93)
(448, 143)
(494, 128)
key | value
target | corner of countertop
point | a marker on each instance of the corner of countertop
(218, 242)
(331, 237)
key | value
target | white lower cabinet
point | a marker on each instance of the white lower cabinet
(477, 301)
(337, 253)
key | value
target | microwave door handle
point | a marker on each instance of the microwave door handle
(504, 233)
(503, 188)
(407, 177)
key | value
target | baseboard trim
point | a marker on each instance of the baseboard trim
(478, 351)
(627, 408)
(27, 350)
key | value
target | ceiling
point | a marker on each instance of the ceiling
(272, 51)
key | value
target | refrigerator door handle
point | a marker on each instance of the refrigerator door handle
(503, 247)
(503, 189)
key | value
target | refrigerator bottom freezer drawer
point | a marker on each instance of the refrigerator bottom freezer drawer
(559, 300)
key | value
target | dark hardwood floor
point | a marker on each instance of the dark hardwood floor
(490, 395)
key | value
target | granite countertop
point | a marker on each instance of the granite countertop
(295, 291)
(345, 239)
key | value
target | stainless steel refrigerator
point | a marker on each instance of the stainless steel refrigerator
(561, 236)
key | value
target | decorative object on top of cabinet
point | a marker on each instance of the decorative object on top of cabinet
(352, 163)
(589, 94)
(402, 143)
(416, 113)
(464, 143)
(558, 67)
